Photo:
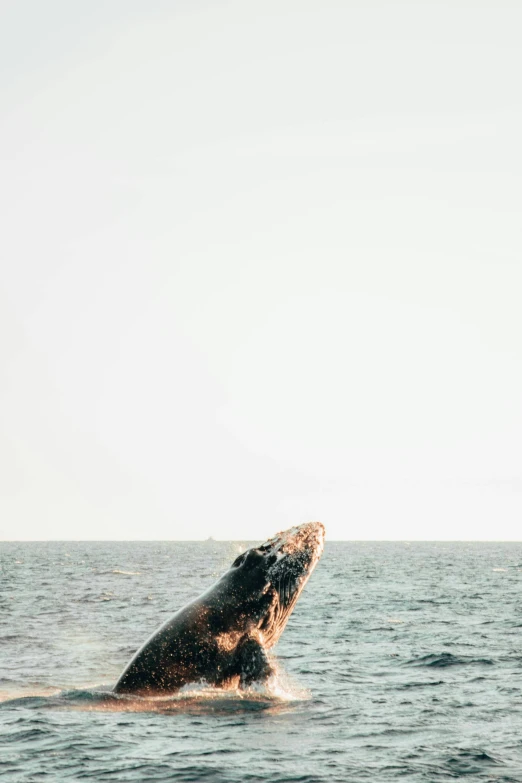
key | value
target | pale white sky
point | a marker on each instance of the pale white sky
(260, 263)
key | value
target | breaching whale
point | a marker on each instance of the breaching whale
(223, 636)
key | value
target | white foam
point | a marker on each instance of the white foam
(127, 573)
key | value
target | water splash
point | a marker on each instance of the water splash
(277, 693)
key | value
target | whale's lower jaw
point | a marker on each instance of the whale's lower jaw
(297, 552)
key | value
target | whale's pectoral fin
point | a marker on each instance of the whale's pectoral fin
(252, 663)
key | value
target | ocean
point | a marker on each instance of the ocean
(401, 661)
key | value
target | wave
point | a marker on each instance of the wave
(197, 701)
(471, 761)
(441, 660)
(126, 573)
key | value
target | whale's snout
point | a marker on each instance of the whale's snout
(303, 542)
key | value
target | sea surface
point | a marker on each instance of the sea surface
(401, 662)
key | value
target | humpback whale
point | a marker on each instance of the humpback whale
(222, 637)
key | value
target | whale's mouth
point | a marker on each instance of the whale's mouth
(291, 556)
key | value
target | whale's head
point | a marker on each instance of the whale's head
(268, 579)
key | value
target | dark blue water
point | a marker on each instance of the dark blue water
(400, 662)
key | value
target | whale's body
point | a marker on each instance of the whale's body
(222, 636)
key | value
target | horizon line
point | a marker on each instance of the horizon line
(254, 540)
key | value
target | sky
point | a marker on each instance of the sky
(260, 263)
